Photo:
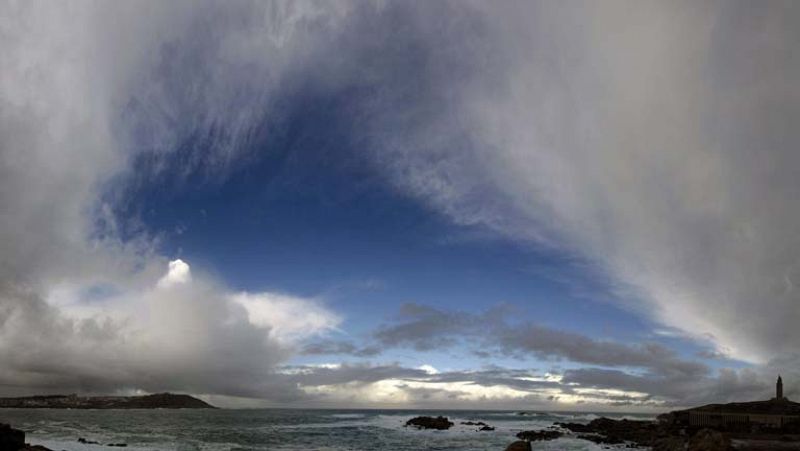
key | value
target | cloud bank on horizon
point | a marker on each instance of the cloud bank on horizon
(653, 141)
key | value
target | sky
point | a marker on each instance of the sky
(374, 204)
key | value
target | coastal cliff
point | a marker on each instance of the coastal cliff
(155, 401)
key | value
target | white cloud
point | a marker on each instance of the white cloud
(430, 369)
(177, 274)
(286, 317)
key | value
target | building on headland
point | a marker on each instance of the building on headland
(776, 413)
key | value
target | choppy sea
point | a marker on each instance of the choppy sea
(283, 429)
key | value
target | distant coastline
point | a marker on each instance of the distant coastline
(155, 401)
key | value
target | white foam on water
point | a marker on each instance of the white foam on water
(348, 415)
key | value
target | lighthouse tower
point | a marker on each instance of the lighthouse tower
(779, 389)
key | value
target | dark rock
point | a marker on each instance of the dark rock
(34, 448)
(538, 435)
(607, 431)
(708, 440)
(11, 439)
(440, 423)
(602, 439)
(87, 442)
(576, 427)
(474, 423)
(486, 428)
(120, 445)
(519, 446)
(669, 444)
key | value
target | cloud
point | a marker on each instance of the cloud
(425, 328)
(393, 385)
(590, 388)
(287, 317)
(86, 302)
(663, 158)
(330, 347)
(491, 333)
(177, 274)
(188, 335)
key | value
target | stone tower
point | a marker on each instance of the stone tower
(779, 389)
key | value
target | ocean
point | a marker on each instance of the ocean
(283, 429)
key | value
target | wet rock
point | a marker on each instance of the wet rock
(87, 442)
(602, 439)
(576, 427)
(486, 428)
(474, 423)
(120, 445)
(533, 436)
(708, 440)
(519, 446)
(11, 439)
(14, 440)
(439, 423)
(608, 431)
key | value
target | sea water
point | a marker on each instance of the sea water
(283, 429)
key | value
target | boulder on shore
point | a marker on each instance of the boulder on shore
(11, 439)
(519, 446)
(14, 440)
(439, 423)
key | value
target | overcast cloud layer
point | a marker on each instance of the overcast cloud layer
(656, 141)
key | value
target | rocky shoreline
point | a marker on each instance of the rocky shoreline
(659, 435)
(14, 440)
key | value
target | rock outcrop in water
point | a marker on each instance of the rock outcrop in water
(519, 446)
(440, 423)
(156, 401)
(11, 439)
(534, 436)
(14, 440)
